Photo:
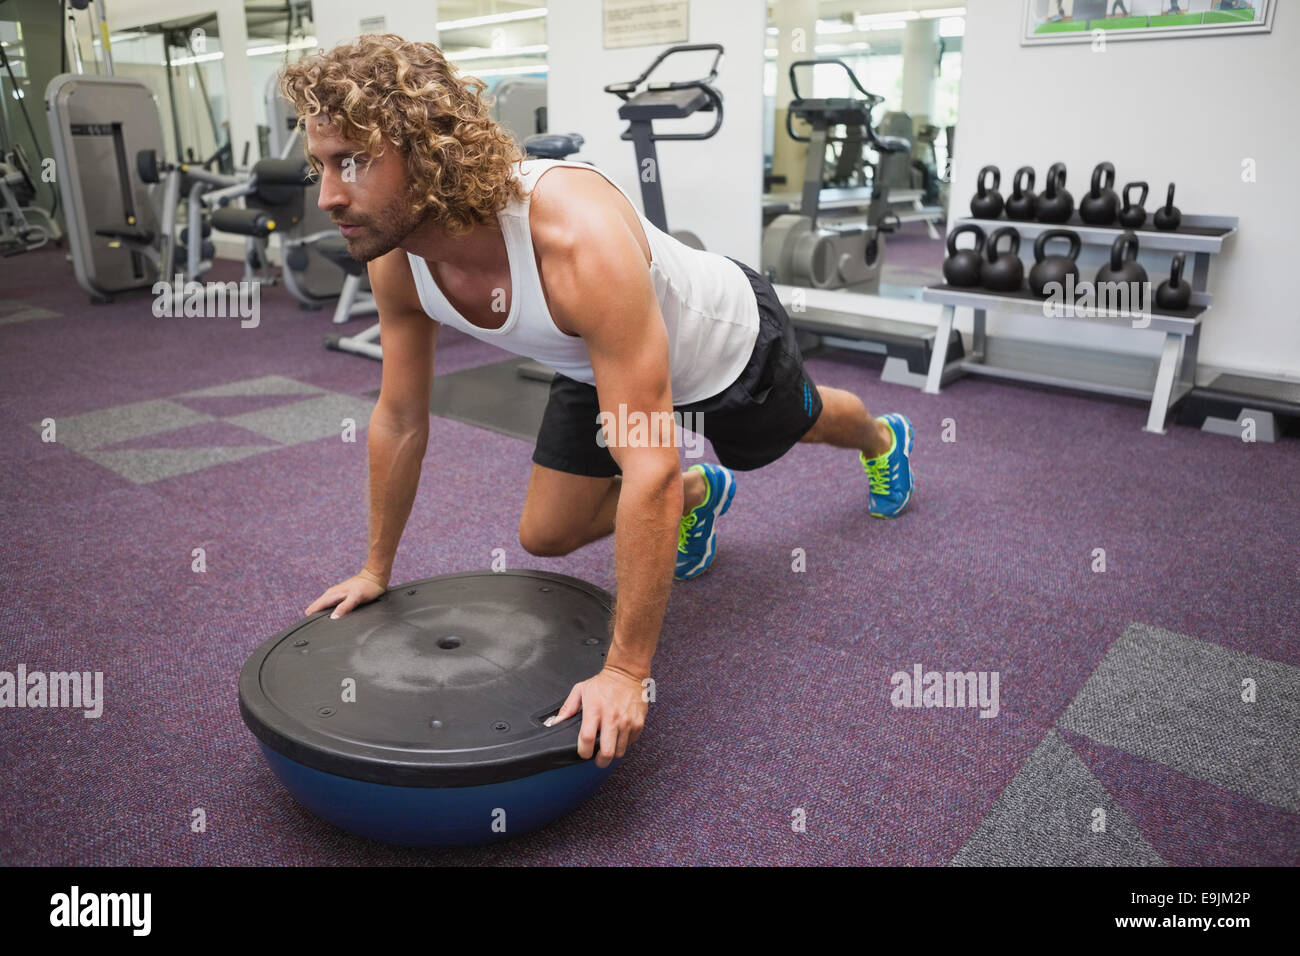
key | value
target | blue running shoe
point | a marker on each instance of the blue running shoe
(891, 474)
(697, 541)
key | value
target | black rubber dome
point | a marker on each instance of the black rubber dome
(453, 678)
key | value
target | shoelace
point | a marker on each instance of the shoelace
(684, 532)
(878, 474)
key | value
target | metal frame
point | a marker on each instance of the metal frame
(1175, 370)
(17, 230)
(868, 323)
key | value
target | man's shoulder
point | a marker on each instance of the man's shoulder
(567, 202)
(392, 279)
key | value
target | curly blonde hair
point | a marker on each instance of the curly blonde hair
(382, 88)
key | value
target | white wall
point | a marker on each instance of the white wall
(714, 187)
(1187, 110)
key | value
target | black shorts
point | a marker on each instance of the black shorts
(751, 423)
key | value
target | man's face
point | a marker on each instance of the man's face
(366, 195)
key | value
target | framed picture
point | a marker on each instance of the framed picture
(1076, 21)
(645, 22)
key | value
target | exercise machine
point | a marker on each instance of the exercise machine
(913, 179)
(552, 145)
(644, 102)
(807, 247)
(310, 248)
(121, 200)
(98, 125)
(18, 230)
(190, 252)
(520, 106)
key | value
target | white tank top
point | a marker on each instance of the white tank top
(708, 305)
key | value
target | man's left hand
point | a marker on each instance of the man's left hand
(613, 707)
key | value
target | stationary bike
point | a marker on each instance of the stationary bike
(673, 100)
(798, 249)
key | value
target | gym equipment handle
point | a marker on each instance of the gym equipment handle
(715, 107)
(872, 99)
(624, 90)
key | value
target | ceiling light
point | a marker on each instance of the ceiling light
(537, 49)
(469, 22)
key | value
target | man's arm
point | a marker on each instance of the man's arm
(399, 428)
(399, 424)
(598, 285)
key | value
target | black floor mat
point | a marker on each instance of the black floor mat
(493, 396)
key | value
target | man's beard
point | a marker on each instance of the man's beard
(385, 231)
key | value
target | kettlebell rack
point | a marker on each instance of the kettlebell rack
(1163, 382)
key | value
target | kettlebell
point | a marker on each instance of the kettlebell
(1133, 215)
(1123, 265)
(1055, 204)
(1168, 217)
(1174, 294)
(1101, 205)
(1048, 269)
(962, 267)
(1022, 204)
(987, 203)
(1003, 272)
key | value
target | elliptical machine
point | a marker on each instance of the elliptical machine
(798, 249)
(673, 100)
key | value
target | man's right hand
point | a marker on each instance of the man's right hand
(358, 589)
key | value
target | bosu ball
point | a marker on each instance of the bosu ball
(419, 718)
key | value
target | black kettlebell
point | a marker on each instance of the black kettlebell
(1003, 271)
(987, 203)
(1055, 204)
(1133, 215)
(1101, 205)
(1123, 265)
(1168, 217)
(1048, 269)
(1174, 294)
(1022, 204)
(962, 267)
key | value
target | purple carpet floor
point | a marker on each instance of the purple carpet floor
(1135, 596)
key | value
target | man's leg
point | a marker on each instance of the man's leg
(884, 446)
(564, 512)
(845, 423)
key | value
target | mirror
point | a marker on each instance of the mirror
(507, 50)
(180, 61)
(859, 142)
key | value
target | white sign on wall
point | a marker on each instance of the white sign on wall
(646, 22)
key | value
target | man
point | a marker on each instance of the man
(551, 260)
